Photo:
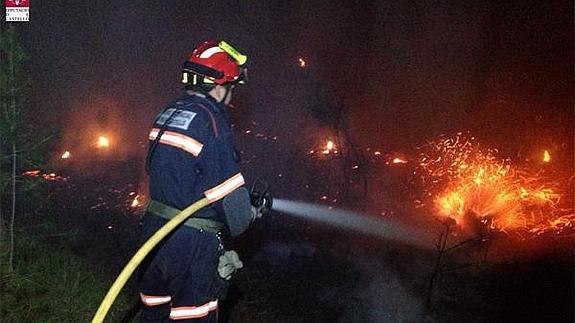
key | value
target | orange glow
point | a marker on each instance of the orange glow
(546, 156)
(466, 182)
(66, 155)
(103, 142)
(301, 62)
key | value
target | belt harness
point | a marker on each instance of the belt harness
(168, 212)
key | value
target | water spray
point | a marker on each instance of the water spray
(383, 228)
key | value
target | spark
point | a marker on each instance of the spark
(301, 62)
(471, 184)
(66, 155)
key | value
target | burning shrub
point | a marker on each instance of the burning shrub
(476, 188)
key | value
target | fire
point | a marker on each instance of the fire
(135, 201)
(470, 184)
(103, 142)
(329, 147)
(546, 156)
(301, 62)
(66, 155)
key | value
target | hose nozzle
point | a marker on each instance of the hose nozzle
(260, 196)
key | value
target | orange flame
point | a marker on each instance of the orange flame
(466, 182)
(329, 147)
(546, 156)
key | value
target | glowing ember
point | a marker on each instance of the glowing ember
(301, 62)
(51, 177)
(546, 156)
(44, 176)
(103, 142)
(135, 201)
(398, 160)
(474, 187)
(66, 155)
(377, 153)
(31, 173)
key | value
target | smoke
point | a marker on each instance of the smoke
(355, 222)
(379, 296)
(93, 117)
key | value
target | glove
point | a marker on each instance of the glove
(228, 264)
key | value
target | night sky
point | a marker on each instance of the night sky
(406, 71)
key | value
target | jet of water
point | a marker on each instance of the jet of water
(383, 228)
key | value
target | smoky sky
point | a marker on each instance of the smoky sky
(405, 71)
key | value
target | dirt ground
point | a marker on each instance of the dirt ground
(296, 271)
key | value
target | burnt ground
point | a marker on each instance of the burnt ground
(297, 271)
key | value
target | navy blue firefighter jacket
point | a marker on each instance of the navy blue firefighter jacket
(195, 158)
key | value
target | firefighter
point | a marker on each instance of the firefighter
(191, 156)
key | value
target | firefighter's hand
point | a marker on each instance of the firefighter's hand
(228, 264)
(256, 213)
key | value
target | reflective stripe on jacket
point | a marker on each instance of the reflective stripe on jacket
(194, 156)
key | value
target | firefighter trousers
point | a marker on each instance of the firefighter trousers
(179, 280)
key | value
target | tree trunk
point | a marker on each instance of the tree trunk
(1, 215)
(13, 209)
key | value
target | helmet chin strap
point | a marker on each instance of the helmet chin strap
(228, 88)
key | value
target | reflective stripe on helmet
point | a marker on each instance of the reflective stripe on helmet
(210, 51)
(178, 140)
(192, 312)
(150, 300)
(225, 188)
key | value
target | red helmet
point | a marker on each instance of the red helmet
(215, 62)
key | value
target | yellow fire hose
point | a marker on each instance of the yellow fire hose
(141, 254)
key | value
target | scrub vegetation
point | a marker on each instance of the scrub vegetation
(50, 284)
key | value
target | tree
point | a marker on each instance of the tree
(326, 107)
(18, 144)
